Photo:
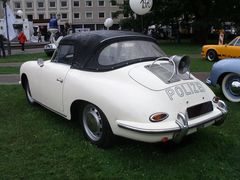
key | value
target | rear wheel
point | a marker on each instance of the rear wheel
(96, 127)
(231, 87)
(212, 55)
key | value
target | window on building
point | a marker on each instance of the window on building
(40, 4)
(52, 15)
(40, 16)
(63, 3)
(30, 17)
(88, 3)
(113, 15)
(101, 15)
(52, 4)
(29, 4)
(76, 16)
(89, 15)
(64, 15)
(101, 3)
(17, 5)
(76, 3)
(113, 2)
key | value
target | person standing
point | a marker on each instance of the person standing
(2, 50)
(39, 37)
(22, 39)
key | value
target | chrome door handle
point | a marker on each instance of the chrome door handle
(60, 80)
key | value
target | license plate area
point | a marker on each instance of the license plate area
(199, 109)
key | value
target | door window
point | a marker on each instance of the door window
(64, 54)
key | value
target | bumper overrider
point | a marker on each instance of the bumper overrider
(181, 126)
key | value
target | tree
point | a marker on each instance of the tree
(201, 14)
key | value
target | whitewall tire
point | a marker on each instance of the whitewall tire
(231, 87)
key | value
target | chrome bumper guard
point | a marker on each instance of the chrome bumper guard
(208, 82)
(182, 122)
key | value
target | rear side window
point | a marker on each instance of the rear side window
(64, 54)
(122, 52)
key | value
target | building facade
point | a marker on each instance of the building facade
(80, 14)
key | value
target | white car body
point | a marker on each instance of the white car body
(128, 96)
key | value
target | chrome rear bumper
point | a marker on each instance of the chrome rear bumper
(182, 122)
(182, 127)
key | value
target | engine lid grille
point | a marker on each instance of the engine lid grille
(164, 72)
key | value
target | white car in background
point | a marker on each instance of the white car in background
(121, 83)
(50, 48)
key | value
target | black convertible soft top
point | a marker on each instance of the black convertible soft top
(89, 44)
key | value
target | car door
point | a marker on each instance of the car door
(236, 49)
(53, 77)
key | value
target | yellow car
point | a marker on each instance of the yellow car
(216, 52)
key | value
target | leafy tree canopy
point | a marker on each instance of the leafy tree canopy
(202, 14)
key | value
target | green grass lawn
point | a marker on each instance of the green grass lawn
(23, 57)
(9, 70)
(181, 48)
(194, 51)
(37, 144)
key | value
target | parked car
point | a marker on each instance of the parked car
(49, 49)
(226, 73)
(121, 83)
(217, 52)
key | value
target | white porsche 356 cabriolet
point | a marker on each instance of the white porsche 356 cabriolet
(122, 83)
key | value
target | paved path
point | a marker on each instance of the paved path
(14, 78)
(9, 79)
(10, 64)
(27, 51)
(201, 75)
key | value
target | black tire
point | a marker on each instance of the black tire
(28, 93)
(212, 55)
(96, 127)
(231, 87)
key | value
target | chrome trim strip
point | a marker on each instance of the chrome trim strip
(170, 130)
(141, 130)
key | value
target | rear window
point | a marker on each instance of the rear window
(124, 51)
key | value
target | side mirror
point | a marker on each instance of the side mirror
(40, 62)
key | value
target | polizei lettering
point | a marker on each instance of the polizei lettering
(184, 90)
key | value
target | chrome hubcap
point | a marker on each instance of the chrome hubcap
(211, 56)
(92, 122)
(235, 88)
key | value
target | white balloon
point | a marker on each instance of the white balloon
(141, 7)
(20, 13)
(108, 22)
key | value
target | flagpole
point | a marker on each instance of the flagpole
(5, 9)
